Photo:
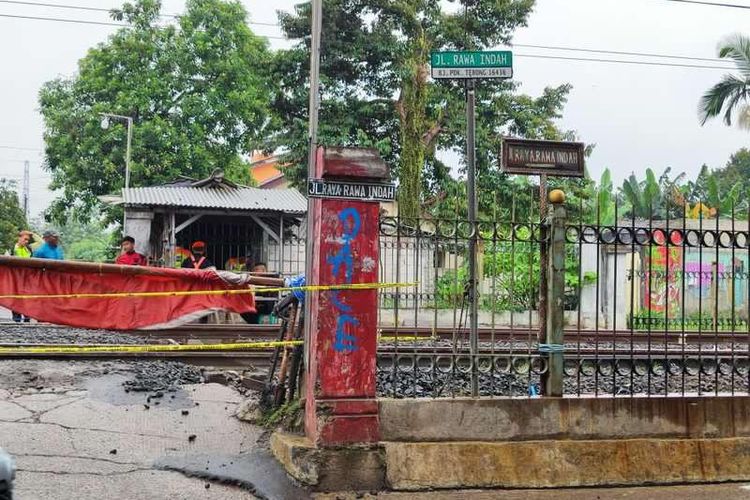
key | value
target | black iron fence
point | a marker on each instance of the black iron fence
(649, 307)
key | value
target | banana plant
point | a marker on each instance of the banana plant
(644, 196)
(605, 201)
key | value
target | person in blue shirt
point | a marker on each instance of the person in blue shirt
(51, 248)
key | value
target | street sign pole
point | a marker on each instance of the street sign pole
(316, 28)
(543, 259)
(472, 195)
(544, 158)
(470, 65)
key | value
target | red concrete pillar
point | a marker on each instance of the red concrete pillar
(340, 405)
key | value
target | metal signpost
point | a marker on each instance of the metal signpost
(543, 158)
(471, 65)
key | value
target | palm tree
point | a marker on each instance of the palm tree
(733, 91)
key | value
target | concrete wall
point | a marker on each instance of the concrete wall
(536, 443)
(567, 418)
(138, 225)
(428, 317)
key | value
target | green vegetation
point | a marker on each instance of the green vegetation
(198, 92)
(721, 191)
(383, 47)
(12, 219)
(512, 272)
(731, 94)
(290, 416)
(87, 240)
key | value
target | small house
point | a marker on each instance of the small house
(237, 223)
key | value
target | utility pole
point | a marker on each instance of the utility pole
(472, 195)
(26, 189)
(127, 152)
(129, 122)
(316, 28)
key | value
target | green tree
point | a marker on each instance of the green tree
(12, 219)
(732, 92)
(737, 170)
(375, 86)
(198, 91)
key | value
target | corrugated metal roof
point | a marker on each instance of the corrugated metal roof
(241, 198)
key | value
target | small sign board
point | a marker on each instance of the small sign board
(472, 64)
(527, 157)
(363, 191)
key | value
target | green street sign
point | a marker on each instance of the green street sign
(472, 64)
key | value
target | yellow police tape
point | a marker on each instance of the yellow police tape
(63, 349)
(239, 346)
(255, 289)
(392, 338)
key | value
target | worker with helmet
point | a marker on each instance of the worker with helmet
(197, 258)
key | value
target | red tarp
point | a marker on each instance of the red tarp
(20, 276)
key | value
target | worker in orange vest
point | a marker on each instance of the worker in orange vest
(197, 258)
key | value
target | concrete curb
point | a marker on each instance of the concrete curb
(554, 464)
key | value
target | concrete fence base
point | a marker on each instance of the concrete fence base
(535, 443)
(545, 464)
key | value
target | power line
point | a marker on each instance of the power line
(100, 9)
(621, 53)
(62, 6)
(712, 4)
(99, 23)
(62, 20)
(538, 56)
(531, 46)
(622, 61)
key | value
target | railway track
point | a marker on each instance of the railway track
(219, 333)
(417, 344)
(206, 333)
(261, 358)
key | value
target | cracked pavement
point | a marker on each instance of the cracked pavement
(77, 434)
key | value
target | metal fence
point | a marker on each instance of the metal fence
(649, 307)
(237, 244)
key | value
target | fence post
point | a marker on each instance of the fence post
(340, 377)
(553, 381)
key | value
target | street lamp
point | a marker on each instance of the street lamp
(105, 125)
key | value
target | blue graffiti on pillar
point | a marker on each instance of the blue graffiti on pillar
(344, 259)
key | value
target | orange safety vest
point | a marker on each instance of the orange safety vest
(197, 265)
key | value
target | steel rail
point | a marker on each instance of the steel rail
(262, 355)
(230, 332)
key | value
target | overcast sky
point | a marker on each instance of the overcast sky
(638, 116)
